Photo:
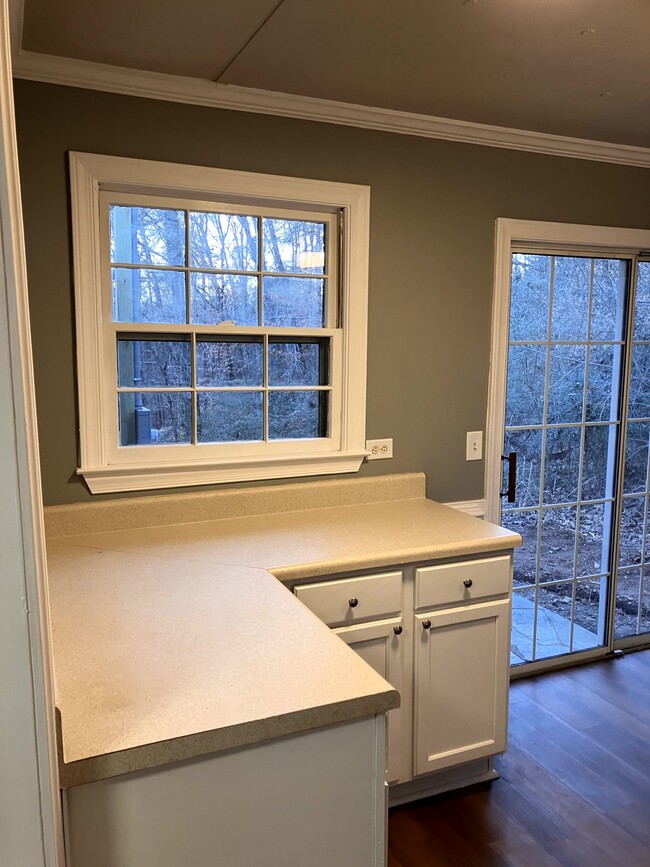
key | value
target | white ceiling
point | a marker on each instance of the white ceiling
(577, 68)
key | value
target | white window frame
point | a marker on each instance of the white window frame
(107, 468)
(509, 232)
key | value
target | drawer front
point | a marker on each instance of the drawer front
(467, 581)
(350, 600)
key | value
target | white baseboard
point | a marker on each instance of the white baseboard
(470, 507)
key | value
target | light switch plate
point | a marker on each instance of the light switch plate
(474, 449)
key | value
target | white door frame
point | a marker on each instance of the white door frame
(30, 808)
(509, 232)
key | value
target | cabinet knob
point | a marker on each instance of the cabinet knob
(353, 602)
(426, 624)
(468, 582)
(397, 630)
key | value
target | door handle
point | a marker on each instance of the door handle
(510, 493)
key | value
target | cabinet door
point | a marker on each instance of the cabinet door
(461, 684)
(381, 645)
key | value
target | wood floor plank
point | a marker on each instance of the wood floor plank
(625, 774)
(574, 788)
(580, 707)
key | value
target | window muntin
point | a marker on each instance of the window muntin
(272, 280)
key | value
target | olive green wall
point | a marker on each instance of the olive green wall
(434, 204)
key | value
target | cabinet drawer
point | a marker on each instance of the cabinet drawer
(448, 583)
(350, 600)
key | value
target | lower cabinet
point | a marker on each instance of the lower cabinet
(381, 645)
(440, 634)
(461, 685)
(313, 799)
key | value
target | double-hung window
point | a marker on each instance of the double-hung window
(221, 324)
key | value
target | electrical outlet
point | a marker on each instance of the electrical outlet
(379, 449)
(474, 447)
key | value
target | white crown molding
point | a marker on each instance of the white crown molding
(196, 91)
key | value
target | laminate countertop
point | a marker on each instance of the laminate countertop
(177, 639)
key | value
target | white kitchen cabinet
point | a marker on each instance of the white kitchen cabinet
(316, 798)
(449, 662)
(461, 684)
(381, 645)
(353, 600)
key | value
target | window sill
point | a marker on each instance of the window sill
(145, 477)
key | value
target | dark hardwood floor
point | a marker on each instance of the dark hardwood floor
(574, 788)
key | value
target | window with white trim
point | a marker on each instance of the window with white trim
(221, 324)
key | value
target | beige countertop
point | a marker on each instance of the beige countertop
(175, 641)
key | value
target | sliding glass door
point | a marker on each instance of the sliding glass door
(575, 362)
(632, 601)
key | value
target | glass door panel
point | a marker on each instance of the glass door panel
(565, 362)
(632, 611)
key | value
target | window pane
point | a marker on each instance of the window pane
(223, 241)
(151, 363)
(554, 620)
(150, 418)
(294, 245)
(143, 295)
(585, 633)
(628, 590)
(597, 469)
(570, 298)
(297, 414)
(631, 533)
(523, 618)
(557, 543)
(642, 303)
(607, 298)
(602, 387)
(528, 445)
(294, 302)
(636, 457)
(529, 296)
(644, 625)
(592, 559)
(147, 236)
(219, 298)
(639, 406)
(230, 416)
(562, 465)
(526, 380)
(566, 384)
(525, 566)
(222, 362)
(298, 363)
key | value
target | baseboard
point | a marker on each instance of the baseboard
(478, 771)
(470, 507)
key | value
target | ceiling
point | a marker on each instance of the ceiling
(578, 68)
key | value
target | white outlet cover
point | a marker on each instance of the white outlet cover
(379, 449)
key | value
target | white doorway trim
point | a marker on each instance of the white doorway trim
(508, 233)
(30, 806)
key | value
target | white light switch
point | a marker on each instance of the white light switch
(474, 450)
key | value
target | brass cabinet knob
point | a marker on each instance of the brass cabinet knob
(353, 602)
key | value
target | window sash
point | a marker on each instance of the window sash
(331, 276)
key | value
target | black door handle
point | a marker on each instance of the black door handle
(512, 476)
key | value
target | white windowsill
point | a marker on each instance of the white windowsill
(144, 477)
